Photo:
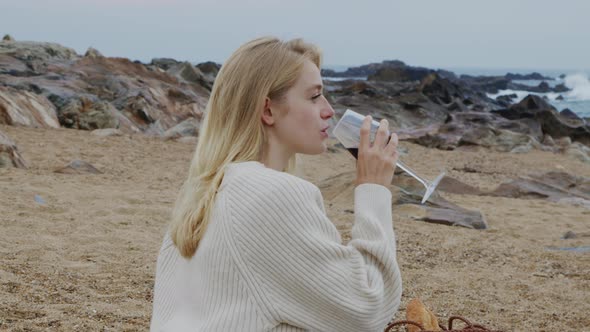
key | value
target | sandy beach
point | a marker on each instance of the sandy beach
(78, 251)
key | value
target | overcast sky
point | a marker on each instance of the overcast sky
(535, 34)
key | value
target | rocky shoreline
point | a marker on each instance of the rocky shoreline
(48, 85)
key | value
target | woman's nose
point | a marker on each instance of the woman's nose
(327, 112)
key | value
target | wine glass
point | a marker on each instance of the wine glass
(347, 131)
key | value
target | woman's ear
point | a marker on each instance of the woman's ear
(268, 117)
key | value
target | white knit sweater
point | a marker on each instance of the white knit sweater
(271, 260)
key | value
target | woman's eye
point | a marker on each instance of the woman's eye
(316, 96)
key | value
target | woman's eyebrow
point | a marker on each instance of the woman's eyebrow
(316, 87)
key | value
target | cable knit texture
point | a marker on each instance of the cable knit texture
(271, 260)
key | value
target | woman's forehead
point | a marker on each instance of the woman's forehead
(310, 77)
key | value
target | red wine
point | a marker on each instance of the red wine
(355, 151)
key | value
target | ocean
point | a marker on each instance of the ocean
(577, 100)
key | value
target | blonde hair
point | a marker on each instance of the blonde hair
(232, 130)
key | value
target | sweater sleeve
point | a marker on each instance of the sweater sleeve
(292, 257)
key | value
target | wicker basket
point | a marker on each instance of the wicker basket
(468, 328)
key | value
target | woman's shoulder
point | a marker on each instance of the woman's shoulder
(253, 179)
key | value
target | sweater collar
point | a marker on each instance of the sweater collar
(235, 168)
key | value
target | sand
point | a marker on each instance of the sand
(81, 257)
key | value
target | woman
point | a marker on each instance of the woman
(250, 247)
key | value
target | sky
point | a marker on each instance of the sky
(535, 34)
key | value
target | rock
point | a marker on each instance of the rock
(360, 87)
(209, 68)
(9, 154)
(534, 109)
(23, 108)
(560, 88)
(88, 115)
(532, 76)
(107, 132)
(190, 74)
(577, 153)
(564, 142)
(442, 90)
(571, 235)
(93, 53)
(554, 186)
(188, 127)
(543, 87)
(489, 84)
(7, 38)
(364, 70)
(164, 63)
(532, 103)
(523, 148)
(436, 210)
(407, 193)
(454, 186)
(506, 100)
(567, 113)
(548, 140)
(78, 167)
(560, 97)
(483, 129)
(399, 74)
(35, 51)
(130, 96)
(414, 134)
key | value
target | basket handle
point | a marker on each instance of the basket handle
(452, 318)
(402, 322)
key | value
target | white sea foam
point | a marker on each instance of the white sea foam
(580, 85)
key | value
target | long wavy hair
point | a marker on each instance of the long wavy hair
(232, 130)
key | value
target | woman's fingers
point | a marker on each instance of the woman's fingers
(365, 133)
(381, 136)
(391, 147)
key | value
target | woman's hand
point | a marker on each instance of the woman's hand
(376, 162)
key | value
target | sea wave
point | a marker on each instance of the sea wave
(579, 85)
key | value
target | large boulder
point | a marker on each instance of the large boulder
(553, 186)
(489, 84)
(164, 63)
(531, 76)
(482, 129)
(93, 53)
(209, 68)
(188, 127)
(536, 110)
(400, 74)
(189, 73)
(94, 91)
(364, 70)
(88, 115)
(32, 51)
(9, 155)
(23, 108)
